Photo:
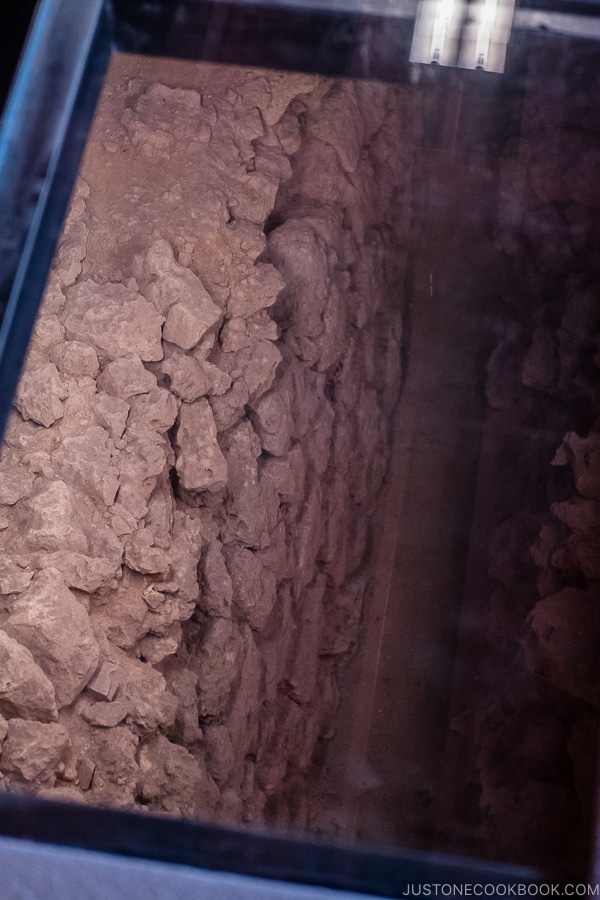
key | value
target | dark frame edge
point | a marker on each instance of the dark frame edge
(42, 203)
(257, 854)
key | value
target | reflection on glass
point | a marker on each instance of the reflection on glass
(471, 35)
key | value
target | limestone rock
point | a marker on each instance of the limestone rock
(308, 531)
(339, 122)
(47, 333)
(172, 779)
(116, 320)
(142, 556)
(255, 291)
(220, 753)
(301, 676)
(187, 321)
(254, 587)
(255, 366)
(161, 514)
(116, 771)
(60, 793)
(15, 484)
(245, 504)
(288, 475)
(85, 573)
(187, 379)
(245, 705)
(49, 621)
(40, 394)
(218, 666)
(32, 750)
(104, 682)
(105, 715)
(71, 253)
(145, 457)
(51, 519)
(126, 377)
(563, 632)
(25, 692)
(301, 258)
(85, 461)
(183, 681)
(342, 617)
(192, 378)
(234, 335)
(111, 413)
(584, 455)
(219, 381)
(200, 463)
(165, 282)
(150, 705)
(85, 773)
(217, 587)
(75, 358)
(579, 514)
(271, 417)
(317, 442)
(178, 294)
(157, 409)
(13, 579)
(123, 618)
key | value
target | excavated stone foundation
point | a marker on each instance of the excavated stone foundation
(201, 486)
(200, 435)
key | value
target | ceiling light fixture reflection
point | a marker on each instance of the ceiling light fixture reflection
(472, 35)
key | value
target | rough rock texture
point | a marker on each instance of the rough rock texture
(536, 723)
(199, 438)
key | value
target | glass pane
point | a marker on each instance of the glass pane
(301, 491)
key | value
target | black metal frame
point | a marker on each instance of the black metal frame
(42, 137)
(246, 852)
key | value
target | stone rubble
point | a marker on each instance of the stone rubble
(200, 434)
(536, 724)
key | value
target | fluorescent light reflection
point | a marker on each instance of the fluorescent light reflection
(458, 33)
(437, 32)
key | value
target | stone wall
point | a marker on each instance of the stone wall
(198, 441)
(537, 724)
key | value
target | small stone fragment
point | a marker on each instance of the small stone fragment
(188, 321)
(271, 417)
(171, 778)
(14, 486)
(40, 395)
(13, 580)
(52, 519)
(85, 773)
(105, 715)
(200, 463)
(220, 752)
(157, 409)
(75, 358)
(49, 621)
(85, 461)
(217, 588)
(111, 413)
(187, 379)
(33, 750)
(254, 587)
(115, 319)
(104, 683)
(25, 692)
(126, 377)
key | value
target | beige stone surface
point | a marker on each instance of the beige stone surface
(194, 416)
